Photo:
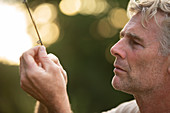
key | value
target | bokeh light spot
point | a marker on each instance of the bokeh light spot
(50, 33)
(84, 7)
(87, 7)
(70, 7)
(93, 7)
(118, 17)
(101, 7)
(105, 29)
(45, 13)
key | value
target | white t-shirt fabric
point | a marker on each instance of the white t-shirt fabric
(126, 107)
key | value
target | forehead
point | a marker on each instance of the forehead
(149, 32)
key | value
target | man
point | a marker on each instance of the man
(142, 65)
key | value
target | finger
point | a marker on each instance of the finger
(28, 58)
(43, 58)
(24, 82)
(56, 61)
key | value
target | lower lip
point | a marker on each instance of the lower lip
(117, 70)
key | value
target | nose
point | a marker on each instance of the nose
(118, 50)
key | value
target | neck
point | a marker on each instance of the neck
(155, 101)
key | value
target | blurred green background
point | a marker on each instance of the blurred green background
(83, 48)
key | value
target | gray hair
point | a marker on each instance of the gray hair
(148, 9)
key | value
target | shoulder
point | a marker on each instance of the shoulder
(126, 107)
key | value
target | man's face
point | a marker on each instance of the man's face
(139, 65)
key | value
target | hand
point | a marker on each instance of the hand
(43, 78)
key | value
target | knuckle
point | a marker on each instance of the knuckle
(50, 55)
(24, 54)
(53, 58)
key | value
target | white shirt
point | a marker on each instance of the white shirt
(126, 107)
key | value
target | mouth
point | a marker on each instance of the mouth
(119, 69)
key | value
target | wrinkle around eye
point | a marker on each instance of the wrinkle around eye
(135, 45)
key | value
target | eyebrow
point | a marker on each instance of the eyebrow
(131, 35)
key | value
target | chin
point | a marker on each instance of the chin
(120, 85)
(116, 83)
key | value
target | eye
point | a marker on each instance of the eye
(134, 43)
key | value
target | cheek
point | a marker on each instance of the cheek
(142, 61)
(146, 71)
(142, 69)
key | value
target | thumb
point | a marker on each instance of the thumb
(43, 58)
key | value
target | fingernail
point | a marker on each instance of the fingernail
(42, 48)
